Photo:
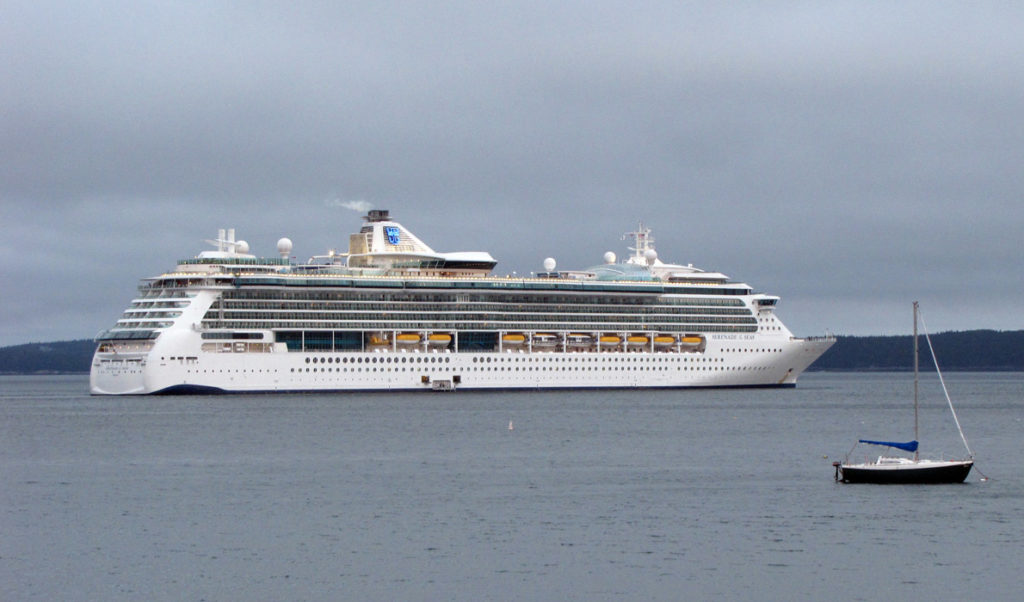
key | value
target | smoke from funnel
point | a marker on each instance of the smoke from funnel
(360, 206)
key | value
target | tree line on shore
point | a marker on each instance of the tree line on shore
(972, 350)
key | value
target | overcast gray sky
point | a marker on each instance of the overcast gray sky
(848, 156)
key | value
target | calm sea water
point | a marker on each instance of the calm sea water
(665, 495)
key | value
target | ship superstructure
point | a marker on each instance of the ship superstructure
(393, 314)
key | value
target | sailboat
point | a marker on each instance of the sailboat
(906, 470)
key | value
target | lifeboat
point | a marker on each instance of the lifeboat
(407, 338)
(544, 340)
(691, 341)
(637, 341)
(379, 340)
(578, 340)
(439, 339)
(610, 340)
(664, 341)
(513, 339)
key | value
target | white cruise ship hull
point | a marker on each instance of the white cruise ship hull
(167, 370)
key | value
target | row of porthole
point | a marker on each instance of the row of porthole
(360, 369)
(609, 368)
(260, 371)
(388, 359)
(577, 360)
(533, 368)
(447, 359)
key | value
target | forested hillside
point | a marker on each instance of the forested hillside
(57, 357)
(969, 350)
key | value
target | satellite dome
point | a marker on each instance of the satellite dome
(609, 257)
(651, 256)
(284, 247)
(549, 264)
(241, 247)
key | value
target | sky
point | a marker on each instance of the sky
(850, 157)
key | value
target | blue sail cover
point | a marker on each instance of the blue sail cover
(910, 446)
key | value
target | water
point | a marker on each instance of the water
(660, 495)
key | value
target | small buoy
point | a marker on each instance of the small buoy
(510, 425)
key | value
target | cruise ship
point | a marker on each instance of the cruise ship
(393, 314)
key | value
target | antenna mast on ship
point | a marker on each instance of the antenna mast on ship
(643, 240)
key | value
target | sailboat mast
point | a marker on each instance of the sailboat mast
(916, 438)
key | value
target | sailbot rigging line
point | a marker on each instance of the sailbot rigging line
(942, 381)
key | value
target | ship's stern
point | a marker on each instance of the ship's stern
(119, 368)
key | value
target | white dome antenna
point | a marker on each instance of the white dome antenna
(609, 257)
(241, 247)
(549, 264)
(284, 247)
(651, 256)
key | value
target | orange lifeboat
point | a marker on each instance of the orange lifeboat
(690, 341)
(439, 339)
(663, 341)
(379, 340)
(513, 339)
(637, 341)
(407, 338)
